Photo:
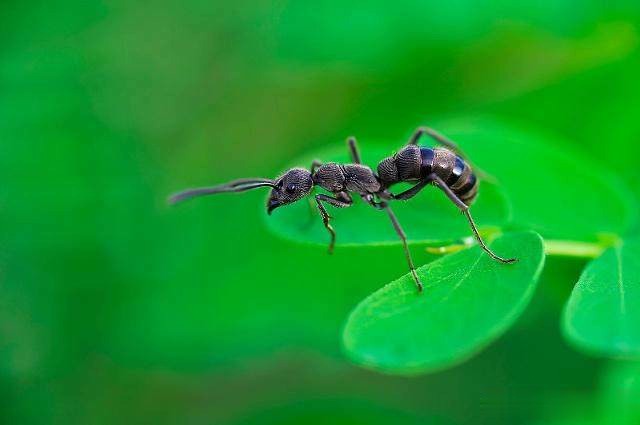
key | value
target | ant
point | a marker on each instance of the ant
(445, 167)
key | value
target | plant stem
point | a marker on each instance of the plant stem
(574, 248)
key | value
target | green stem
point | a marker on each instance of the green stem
(563, 248)
(574, 248)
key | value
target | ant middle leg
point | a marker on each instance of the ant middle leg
(368, 198)
(343, 202)
(465, 210)
(353, 149)
(403, 238)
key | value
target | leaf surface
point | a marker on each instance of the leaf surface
(603, 312)
(620, 393)
(469, 300)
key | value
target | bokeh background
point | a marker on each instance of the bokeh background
(115, 308)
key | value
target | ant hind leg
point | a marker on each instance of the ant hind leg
(452, 146)
(447, 143)
(411, 192)
(465, 210)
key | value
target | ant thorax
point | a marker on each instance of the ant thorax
(335, 177)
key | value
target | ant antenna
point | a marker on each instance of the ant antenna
(239, 185)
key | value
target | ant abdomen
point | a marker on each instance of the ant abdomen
(453, 170)
(415, 163)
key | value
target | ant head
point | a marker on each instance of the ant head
(292, 186)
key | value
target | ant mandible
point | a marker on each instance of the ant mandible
(445, 167)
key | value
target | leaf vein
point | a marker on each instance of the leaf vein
(463, 278)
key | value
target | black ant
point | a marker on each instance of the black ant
(446, 168)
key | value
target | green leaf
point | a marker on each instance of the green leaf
(553, 189)
(469, 300)
(602, 315)
(620, 393)
(429, 217)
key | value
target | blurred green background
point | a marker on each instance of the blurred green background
(116, 309)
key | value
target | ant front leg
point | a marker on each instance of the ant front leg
(465, 210)
(343, 202)
(353, 149)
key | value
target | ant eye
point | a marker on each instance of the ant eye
(291, 188)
